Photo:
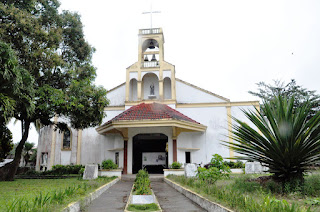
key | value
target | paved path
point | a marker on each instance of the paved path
(172, 200)
(112, 200)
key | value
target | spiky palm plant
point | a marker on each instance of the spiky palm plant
(283, 138)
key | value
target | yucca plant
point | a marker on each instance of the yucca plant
(283, 139)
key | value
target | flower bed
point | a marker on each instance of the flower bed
(142, 197)
(109, 169)
(174, 169)
(142, 184)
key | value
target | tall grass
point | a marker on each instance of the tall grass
(237, 195)
(46, 201)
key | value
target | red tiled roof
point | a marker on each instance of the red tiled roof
(154, 111)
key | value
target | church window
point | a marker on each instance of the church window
(66, 140)
(44, 161)
(188, 157)
(117, 158)
(133, 90)
(167, 88)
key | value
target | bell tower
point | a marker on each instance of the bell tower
(151, 79)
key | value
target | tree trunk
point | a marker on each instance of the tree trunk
(8, 171)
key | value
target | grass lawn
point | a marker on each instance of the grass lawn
(45, 194)
(143, 207)
(239, 194)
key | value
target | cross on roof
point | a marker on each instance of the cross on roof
(151, 15)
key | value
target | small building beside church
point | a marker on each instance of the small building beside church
(153, 119)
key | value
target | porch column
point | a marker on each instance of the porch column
(125, 156)
(161, 90)
(175, 133)
(124, 133)
(174, 148)
(139, 90)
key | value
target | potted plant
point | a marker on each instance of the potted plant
(109, 168)
(174, 169)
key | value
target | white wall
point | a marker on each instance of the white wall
(238, 113)
(44, 145)
(117, 96)
(65, 157)
(110, 115)
(215, 118)
(94, 147)
(189, 94)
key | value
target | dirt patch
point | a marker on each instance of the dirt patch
(261, 180)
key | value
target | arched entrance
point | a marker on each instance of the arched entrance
(149, 152)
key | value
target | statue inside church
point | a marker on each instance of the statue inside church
(152, 89)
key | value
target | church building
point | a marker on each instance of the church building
(153, 119)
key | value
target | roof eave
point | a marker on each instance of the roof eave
(184, 125)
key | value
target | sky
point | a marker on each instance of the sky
(224, 46)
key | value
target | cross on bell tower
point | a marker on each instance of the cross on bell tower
(151, 12)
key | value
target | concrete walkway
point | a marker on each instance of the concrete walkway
(115, 198)
(171, 200)
(112, 200)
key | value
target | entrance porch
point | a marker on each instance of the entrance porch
(149, 130)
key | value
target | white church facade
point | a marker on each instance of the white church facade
(152, 112)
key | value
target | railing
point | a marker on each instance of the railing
(150, 31)
(150, 64)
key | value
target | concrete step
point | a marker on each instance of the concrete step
(132, 177)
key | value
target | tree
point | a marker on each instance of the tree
(5, 141)
(267, 92)
(27, 151)
(51, 48)
(15, 87)
(33, 157)
(289, 142)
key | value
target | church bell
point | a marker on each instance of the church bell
(151, 45)
(153, 58)
(146, 59)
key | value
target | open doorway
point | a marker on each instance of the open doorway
(149, 152)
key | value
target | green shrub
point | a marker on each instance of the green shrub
(234, 165)
(65, 169)
(175, 165)
(311, 185)
(142, 174)
(239, 165)
(81, 171)
(142, 184)
(217, 170)
(108, 164)
(57, 170)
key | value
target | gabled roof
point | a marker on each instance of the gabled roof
(154, 111)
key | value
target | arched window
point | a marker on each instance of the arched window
(150, 86)
(66, 144)
(150, 53)
(167, 88)
(133, 90)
